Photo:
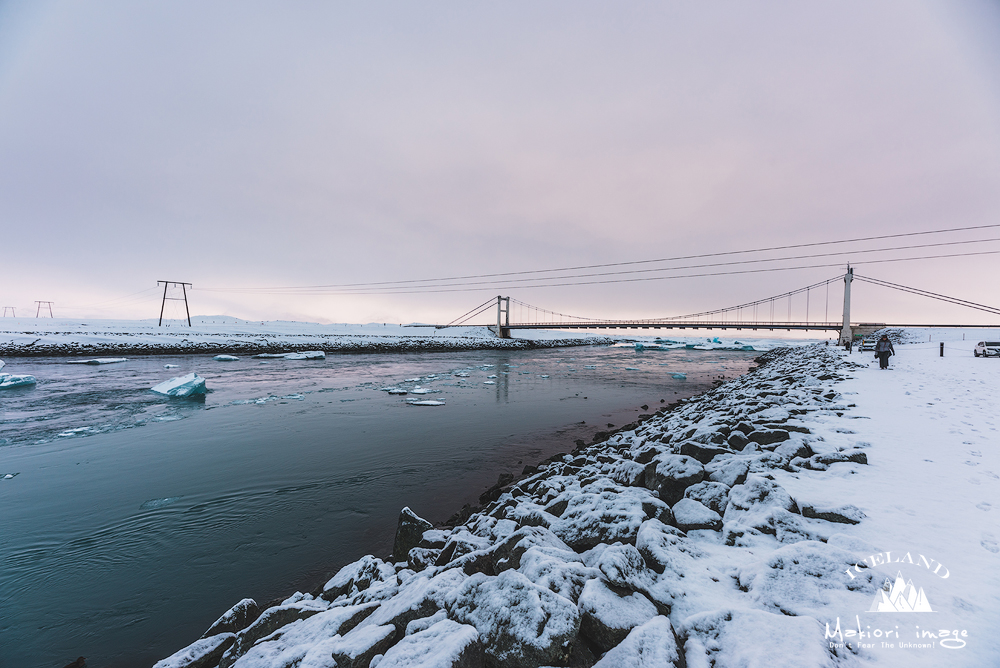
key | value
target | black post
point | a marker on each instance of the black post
(941, 354)
(163, 303)
(186, 309)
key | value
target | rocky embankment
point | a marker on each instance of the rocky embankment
(667, 543)
(255, 344)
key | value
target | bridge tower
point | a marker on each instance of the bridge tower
(845, 333)
(503, 317)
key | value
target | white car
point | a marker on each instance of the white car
(987, 349)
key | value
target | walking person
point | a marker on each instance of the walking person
(883, 349)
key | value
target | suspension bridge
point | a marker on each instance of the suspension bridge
(770, 313)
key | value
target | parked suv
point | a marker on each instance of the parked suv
(987, 349)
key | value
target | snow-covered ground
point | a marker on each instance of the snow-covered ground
(223, 334)
(818, 511)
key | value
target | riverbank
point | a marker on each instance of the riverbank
(47, 337)
(754, 524)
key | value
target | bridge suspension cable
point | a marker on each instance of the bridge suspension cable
(931, 295)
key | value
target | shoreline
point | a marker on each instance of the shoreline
(215, 335)
(685, 533)
(333, 345)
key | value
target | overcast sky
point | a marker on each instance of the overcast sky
(248, 144)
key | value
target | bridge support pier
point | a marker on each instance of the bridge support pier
(503, 317)
(845, 333)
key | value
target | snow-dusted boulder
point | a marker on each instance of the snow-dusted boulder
(278, 616)
(358, 576)
(651, 645)
(605, 514)
(624, 567)
(691, 515)
(418, 597)
(521, 624)
(559, 571)
(237, 618)
(607, 615)
(446, 644)
(729, 472)
(360, 645)
(659, 544)
(754, 639)
(203, 653)
(182, 386)
(409, 530)
(290, 643)
(714, 495)
(765, 437)
(848, 514)
(627, 472)
(761, 506)
(807, 578)
(670, 475)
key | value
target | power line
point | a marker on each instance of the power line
(932, 295)
(419, 290)
(601, 266)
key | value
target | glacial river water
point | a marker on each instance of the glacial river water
(129, 521)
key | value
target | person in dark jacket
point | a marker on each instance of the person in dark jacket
(883, 349)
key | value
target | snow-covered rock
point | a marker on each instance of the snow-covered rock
(607, 615)
(710, 494)
(182, 386)
(409, 530)
(235, 619)
(446, 644)
(806, 578)
(203, 653)
(690, 515)
(605, 514)
(754, 639)
(651, 645)
(669, 475)
(521, 624)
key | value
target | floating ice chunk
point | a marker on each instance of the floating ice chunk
(679, 376)
(631, 368)
(423, 390)
(493, 375)
(8, 476)
(411, 380)
(396, 390)
(2, 364)
(182, 386)
(269, 355)
(590, 366)
(461, 374)
(544, 376)
(307, 355)
(73, 432)
(425, 402)
(99, 360)
(8, 380)
(489, 382)
(171, 366)
(226, 358)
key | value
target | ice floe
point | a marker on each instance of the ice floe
(226, 358)
(182, 386)
(9, 380)
(99, 360)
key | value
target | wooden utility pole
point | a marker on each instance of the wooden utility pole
(184, 299)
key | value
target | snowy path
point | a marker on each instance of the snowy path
(760, 524)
